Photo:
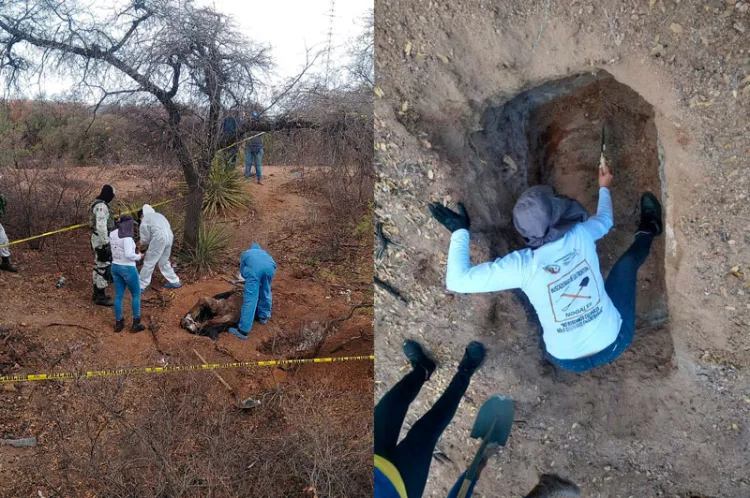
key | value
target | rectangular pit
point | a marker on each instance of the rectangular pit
(551, 135)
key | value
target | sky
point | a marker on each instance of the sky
(289, 26)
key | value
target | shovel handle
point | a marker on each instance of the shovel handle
(226, 384)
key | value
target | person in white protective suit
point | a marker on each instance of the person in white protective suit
(156, 233)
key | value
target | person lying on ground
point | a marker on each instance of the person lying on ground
(401, 469)
(156, 233)
(257, 267)
(5, 251)
(124, 273)
(102, 222)
(549, 486)
(586, 322)
(212, 315)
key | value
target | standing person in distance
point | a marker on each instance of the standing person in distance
(254, 154)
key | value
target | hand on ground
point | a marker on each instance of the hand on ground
(450, 219)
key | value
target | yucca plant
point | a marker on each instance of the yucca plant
(224, 190)
(213, 241)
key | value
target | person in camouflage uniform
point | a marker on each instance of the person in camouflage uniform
(101, 222)
(4, 251)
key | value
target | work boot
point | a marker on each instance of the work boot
(473, 357)
(101, 298)
(137, 326)
(7, 266)
(419, 357)
(119, 325)
(650, 215)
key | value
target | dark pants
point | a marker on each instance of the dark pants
(621, 289)
(413, 455)
(230, 156)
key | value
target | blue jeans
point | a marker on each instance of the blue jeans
(253, 156)
(621, 289)
(256, 300)
(126, 276)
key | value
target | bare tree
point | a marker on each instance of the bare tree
(192, 61)
(362, 55)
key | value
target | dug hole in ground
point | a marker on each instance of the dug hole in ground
(475, 104)
(179, 434)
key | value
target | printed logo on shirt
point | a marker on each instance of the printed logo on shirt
(553, 269)
(573, 295)
(568, 258)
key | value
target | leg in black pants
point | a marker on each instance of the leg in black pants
(391, 411)
(413, 456)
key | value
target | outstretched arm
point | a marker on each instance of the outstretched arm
(502, 274)
(598, 226)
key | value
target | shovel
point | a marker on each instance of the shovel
(492, 425)
(602, 160)
(242, 404)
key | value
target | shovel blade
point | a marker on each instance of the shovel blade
(494, 420)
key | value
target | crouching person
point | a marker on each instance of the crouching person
(257, 267)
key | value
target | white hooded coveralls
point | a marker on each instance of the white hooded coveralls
(156, 232)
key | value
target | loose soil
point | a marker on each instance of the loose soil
(310, 287)
(478, 102)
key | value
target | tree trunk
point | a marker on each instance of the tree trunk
(193, 211)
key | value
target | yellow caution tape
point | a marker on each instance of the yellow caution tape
(176, 368)
(83, 225)
(243, 140)
(74, 227)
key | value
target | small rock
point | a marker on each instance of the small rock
(430, 174)
(740, 27)
(25, 442)
(676, 28)
(407, 48)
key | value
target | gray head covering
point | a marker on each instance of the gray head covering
(542, 217)
(125, 228)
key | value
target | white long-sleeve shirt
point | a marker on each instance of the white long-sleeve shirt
(123, 250)
(562, 280)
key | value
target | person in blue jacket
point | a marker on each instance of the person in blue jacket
(257, 267)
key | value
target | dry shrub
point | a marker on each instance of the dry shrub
(178, 436)
(40, 200)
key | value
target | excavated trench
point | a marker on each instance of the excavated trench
(551, 134)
